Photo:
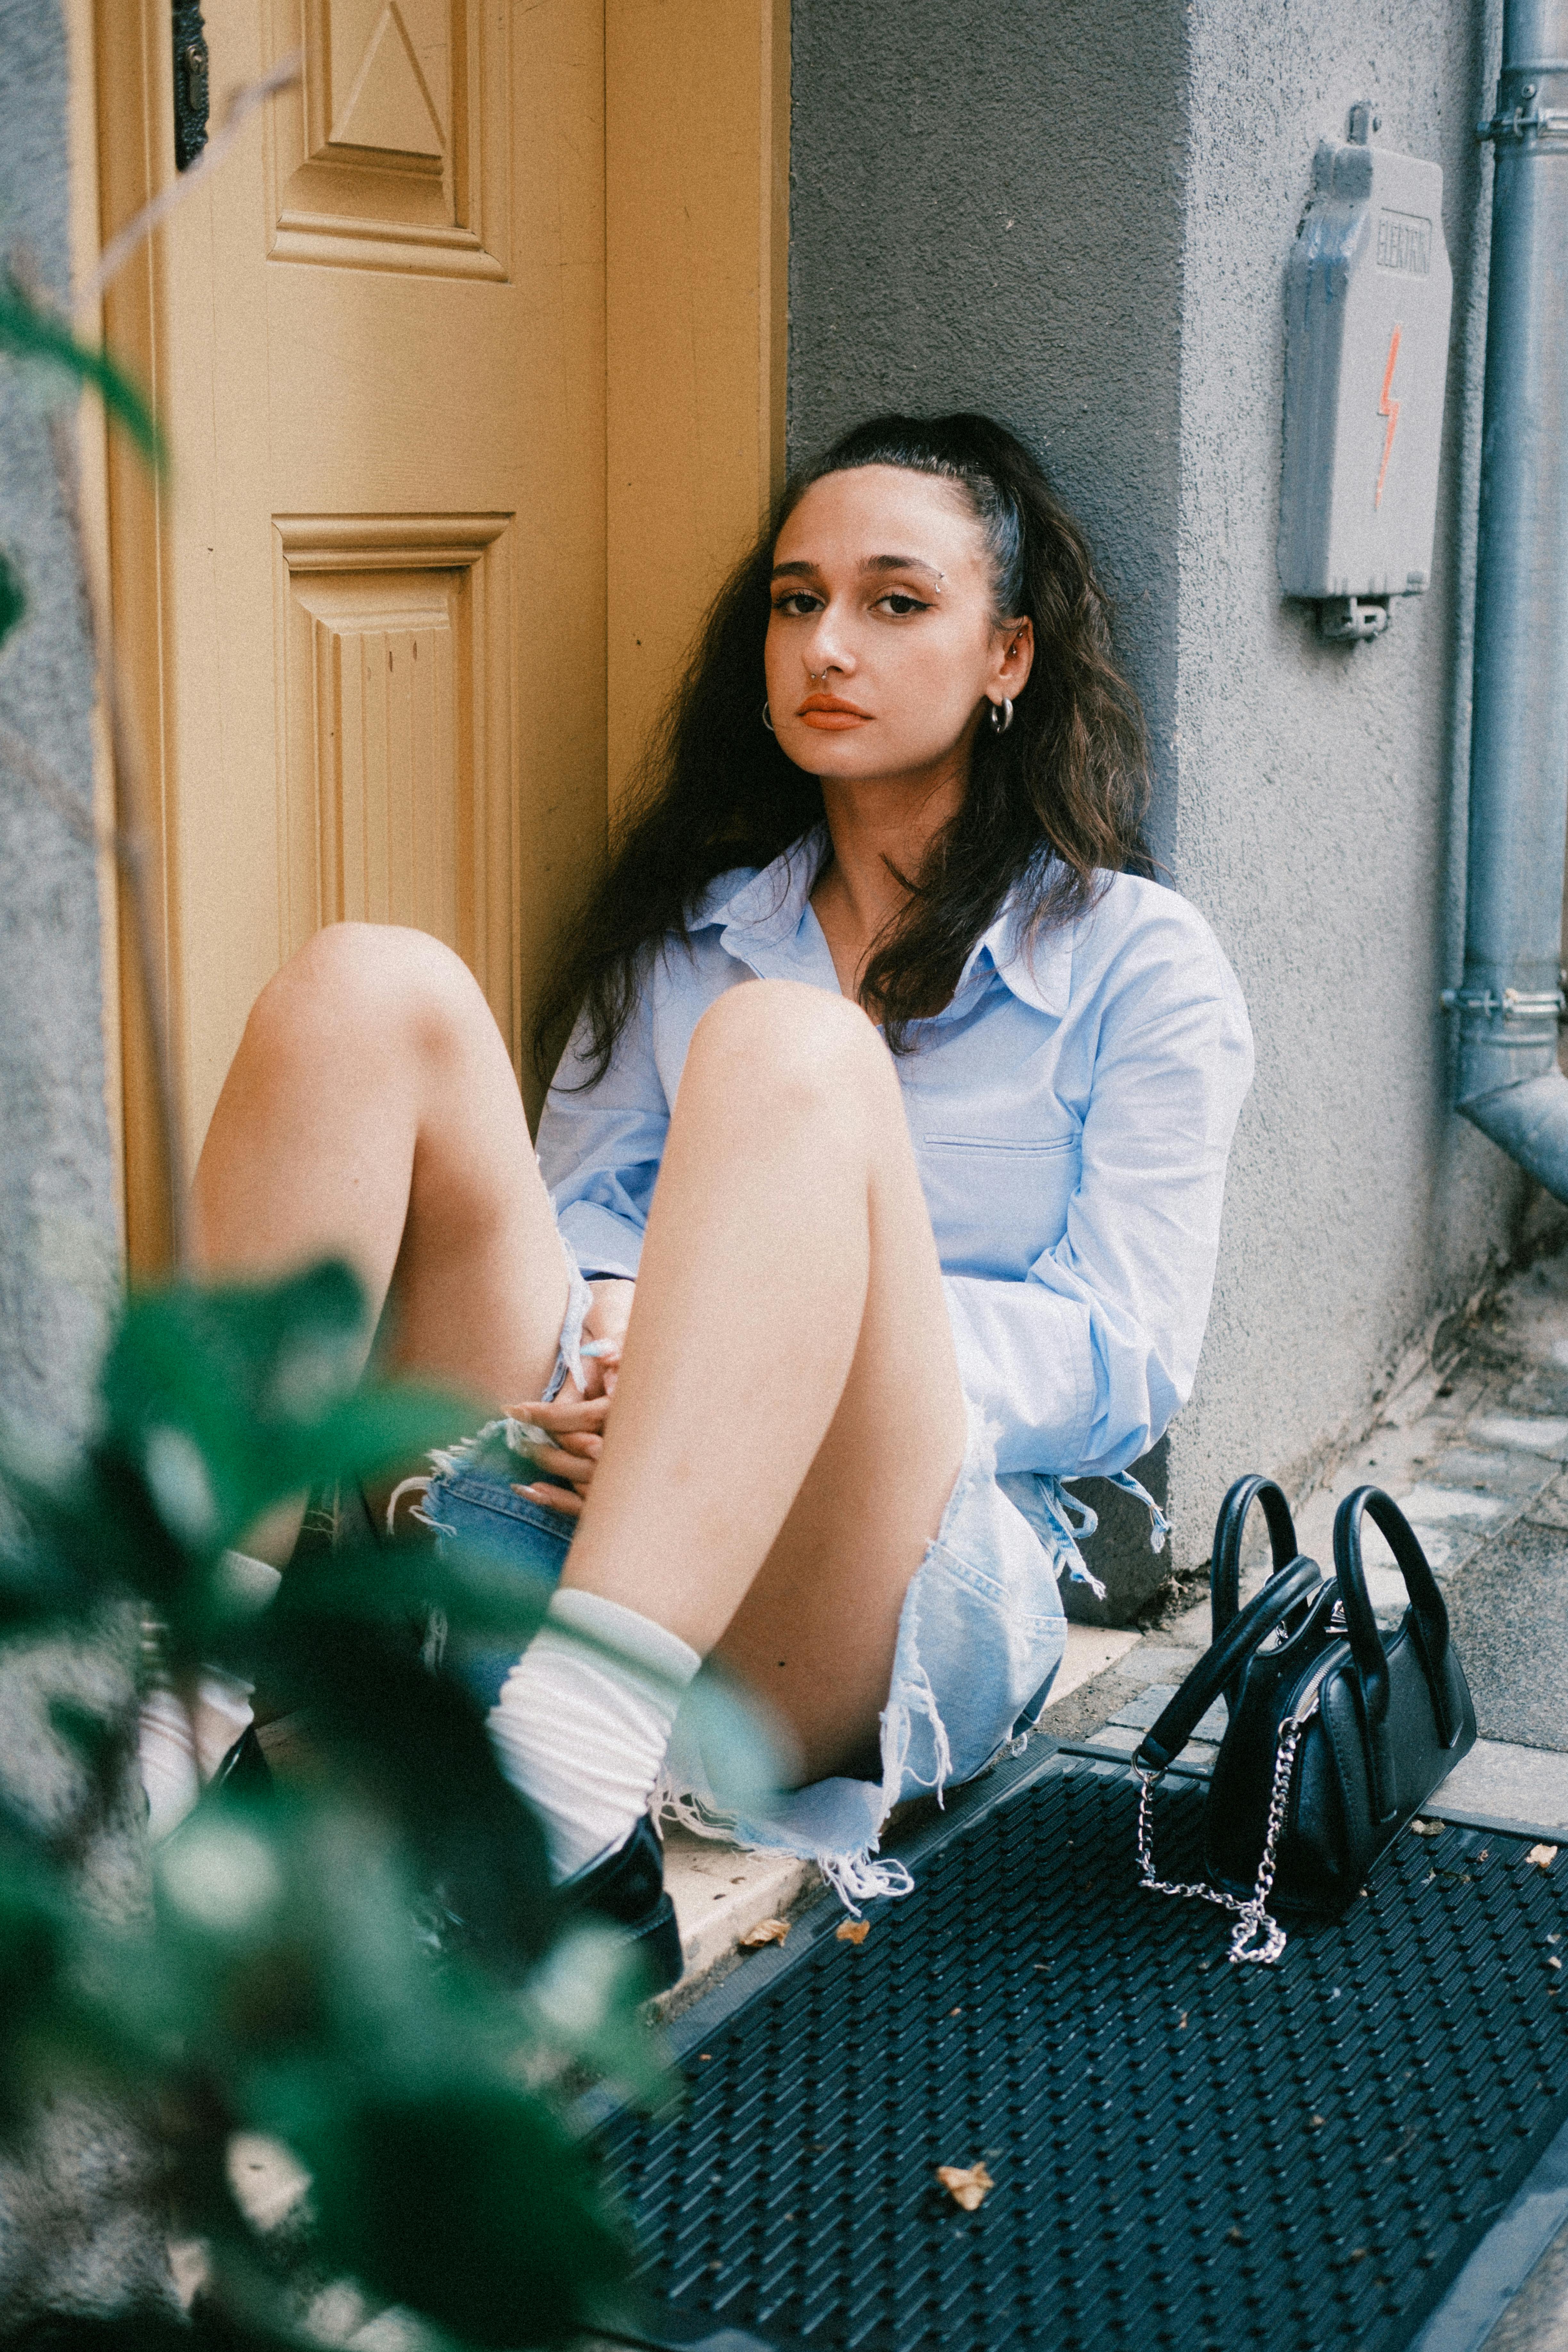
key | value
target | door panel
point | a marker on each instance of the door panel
(380, 158)
(398, 654)
(364, 629)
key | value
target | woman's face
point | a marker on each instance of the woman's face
(883, 654)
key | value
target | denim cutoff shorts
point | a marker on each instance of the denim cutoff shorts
(981, 1637)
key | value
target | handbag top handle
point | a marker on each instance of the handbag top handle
(1225, 1568)
(1285, 1589)
(1428, 1622)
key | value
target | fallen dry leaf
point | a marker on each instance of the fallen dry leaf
(766, 1931)
(852, 1931)
(1235, 2237)
(1428, 1829)
(968, 2186)
(1542, 1856)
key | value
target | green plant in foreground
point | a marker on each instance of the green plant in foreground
(32, 331)
(371, 1972)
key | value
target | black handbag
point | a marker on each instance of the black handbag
(1336, 1734)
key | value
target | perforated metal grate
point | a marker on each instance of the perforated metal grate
(1185, 2154)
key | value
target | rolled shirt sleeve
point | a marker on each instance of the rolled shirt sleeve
(1081, 1367)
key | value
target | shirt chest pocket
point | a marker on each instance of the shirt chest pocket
(998, 1203)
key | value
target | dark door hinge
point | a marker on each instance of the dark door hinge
(191, 93)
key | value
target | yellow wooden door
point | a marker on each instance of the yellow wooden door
(368, 635)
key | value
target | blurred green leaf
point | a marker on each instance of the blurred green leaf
(215, 1405)
(467, 2201)
(32, 331)
(13, 598)
(745, 1763)
(144, 2331)
(414, 1744)
(32, 1941)
(584, 2000)
(369, 1965)
(479, 1597)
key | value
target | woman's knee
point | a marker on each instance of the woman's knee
(376, 990)
(788, 1041)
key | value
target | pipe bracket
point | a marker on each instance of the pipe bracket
(1526, 118)
(1513, 1004)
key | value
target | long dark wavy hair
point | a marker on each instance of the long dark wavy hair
(1054, 808)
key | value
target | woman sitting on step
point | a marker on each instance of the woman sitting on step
(876, 1194)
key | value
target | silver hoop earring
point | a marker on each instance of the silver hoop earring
(1001, 717)
(767, 721)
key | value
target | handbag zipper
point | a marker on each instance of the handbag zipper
(1311, 1697)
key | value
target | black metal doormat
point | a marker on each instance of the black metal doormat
(1185, 2154)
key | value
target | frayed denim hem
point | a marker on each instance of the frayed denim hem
(981, 1637)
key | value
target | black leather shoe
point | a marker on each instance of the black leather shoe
(244, 1771)
(628, 1887)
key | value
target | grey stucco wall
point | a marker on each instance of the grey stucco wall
(1319, 790)
(82, 2219)
(57, 1240)
(1077, 214)
(986, 212)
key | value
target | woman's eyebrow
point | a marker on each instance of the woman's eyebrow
(903, 563)
(805, 570)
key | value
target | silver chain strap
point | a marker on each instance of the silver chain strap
(1252, 1917)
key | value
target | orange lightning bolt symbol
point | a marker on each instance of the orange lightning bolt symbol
(1389, 408)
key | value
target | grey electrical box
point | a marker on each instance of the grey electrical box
(1368, 295)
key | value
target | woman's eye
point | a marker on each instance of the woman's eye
(796, 605)
(898, 605)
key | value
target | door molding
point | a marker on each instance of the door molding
(373, 746)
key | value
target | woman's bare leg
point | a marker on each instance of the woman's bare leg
(372, 1113)
(788, 1421)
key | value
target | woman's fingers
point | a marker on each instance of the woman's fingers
(565, 1441)
(575, 1463)
(554, 1499)
(571, 1415)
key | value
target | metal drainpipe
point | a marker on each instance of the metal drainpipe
(1510, 1084)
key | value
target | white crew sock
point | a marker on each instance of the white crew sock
(178, 1752)
(582, 1730)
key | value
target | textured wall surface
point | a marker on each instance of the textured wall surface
(1319, 790)
(81, 2204)
(986, 213)
(57, 1209)
(1077, 214)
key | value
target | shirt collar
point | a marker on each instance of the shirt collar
(760, 917)
(1037, 971)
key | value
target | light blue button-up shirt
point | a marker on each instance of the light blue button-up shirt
(1071, 1111)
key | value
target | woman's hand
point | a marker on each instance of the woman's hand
(574, 1426)
(573, 1437)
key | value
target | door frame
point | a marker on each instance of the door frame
(696, 288)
